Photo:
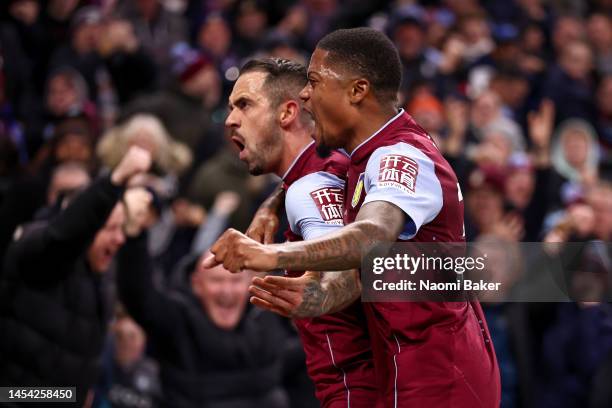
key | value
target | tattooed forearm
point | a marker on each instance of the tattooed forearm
(336, 252)
(341, 289)
(376, 222)
(329, 254)
(333, 293)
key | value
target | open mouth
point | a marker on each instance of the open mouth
(238, 142)
(109, 253)
(226, 304)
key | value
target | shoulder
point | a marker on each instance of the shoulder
(337, 163)
(400, 154)
(313, 182)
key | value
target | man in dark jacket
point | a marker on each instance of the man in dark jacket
(214, 349)
(53, 315)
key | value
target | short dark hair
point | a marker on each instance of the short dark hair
(285, 78)
(367, 52)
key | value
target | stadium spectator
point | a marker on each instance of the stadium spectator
(212, 346)
(604, 118)
(157, 28)
(189, 107)
(570, 85)
(129, 379)
(53, 314)
(81, 53)
(477, 75)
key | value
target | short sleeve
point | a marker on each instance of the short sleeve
(314, 205)
(404, 176)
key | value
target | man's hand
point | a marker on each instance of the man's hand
(541, 124)
(266, 221)
(188, 214)
(236, 252)
(137, 201)
(264, 226)
(312, 294)
(136, 161)
(289, 297)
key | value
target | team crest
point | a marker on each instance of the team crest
(398, 171)
(329, 202)
(358, 190)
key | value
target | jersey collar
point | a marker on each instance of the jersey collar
(383, 127)
(290, 173)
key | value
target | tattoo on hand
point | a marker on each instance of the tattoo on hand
(335, 292)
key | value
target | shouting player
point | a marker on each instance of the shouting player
(274, 135)
(426, 354)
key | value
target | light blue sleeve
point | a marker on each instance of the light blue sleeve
(314, 205)
(403, 175)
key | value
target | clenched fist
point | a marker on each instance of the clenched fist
(237, 252)
(136, 161)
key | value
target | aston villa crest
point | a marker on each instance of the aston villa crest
(358, 190)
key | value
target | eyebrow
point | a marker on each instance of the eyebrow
(237, 101)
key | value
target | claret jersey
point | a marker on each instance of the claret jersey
(426, 354)
(337, 346)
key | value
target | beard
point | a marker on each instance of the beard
(266, 150)
(256, 170)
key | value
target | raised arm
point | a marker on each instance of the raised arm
(70, 233)
(153, 310)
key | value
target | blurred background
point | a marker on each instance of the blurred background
(516, 93)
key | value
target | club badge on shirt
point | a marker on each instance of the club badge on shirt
(329, 202)
(358, 190)
(397, 170)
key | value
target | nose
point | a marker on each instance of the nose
(232, 119)
(305, 93)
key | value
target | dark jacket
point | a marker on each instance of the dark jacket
(53, 315)
(573, 349)
(202, 365)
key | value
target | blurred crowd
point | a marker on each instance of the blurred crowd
(517, 94)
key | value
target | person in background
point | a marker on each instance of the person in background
(157, 28)
(569, 84)
(68, 177)
(574, 157)
(580, 335)
(130, 379)
(190, 106)
(132, 70)
(604, 117)
(53, 315)
(213, 348)
(81, 52)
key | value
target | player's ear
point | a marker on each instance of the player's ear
(358, 90)
(288, 112)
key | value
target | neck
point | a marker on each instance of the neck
(369, 122)
(294, 143)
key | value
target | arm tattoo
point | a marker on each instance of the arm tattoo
(342, 289)
(376, 222)
(312, 301)
(333, 293)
